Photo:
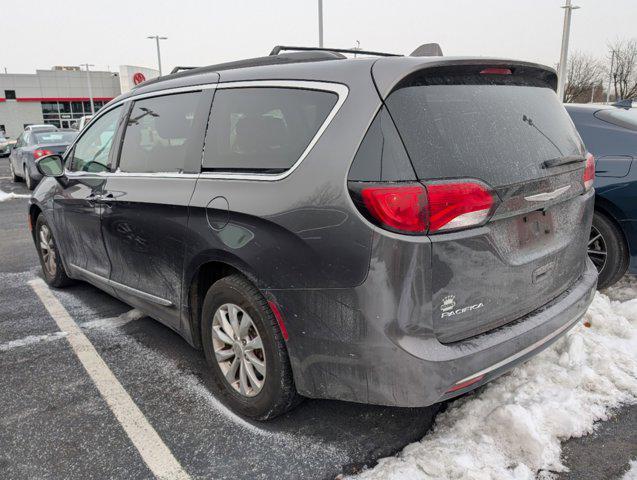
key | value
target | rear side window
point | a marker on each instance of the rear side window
(621, 118)
(158, 133)
(499, 130)
(263, 130)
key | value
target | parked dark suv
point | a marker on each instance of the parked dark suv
(393, 230)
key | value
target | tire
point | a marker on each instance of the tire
(52, 267)
(606, 237)
(14, 178)
(277, 393)
(27, 178)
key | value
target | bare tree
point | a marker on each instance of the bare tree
(623, 70)
(584, 72)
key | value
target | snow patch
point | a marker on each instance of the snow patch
(4, 196)
(30, 340)
(631, 474)
(114, 322)
(513, 428)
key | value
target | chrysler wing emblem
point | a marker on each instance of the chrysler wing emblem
(543, 197)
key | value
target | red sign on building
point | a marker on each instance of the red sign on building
(138, 78)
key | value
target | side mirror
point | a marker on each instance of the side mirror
(50, 166)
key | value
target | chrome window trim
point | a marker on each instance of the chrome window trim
(339, 89)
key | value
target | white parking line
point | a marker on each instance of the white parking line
(152, 449)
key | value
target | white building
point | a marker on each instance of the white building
(56, 97)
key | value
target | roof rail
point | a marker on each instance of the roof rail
(279, 48)
(181, 69)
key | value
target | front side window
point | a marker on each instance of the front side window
(91, 151)
(263, 129)
(158, 133)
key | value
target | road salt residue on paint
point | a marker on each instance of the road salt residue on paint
(513, 428)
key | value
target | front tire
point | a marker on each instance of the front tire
(50, 260)
(608, 250)
(245, 350)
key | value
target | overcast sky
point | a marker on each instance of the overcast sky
(108, 33)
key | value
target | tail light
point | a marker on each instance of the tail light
(433, 207)
(400, 207)
(41, 153)
(589, 172)
(456, 205)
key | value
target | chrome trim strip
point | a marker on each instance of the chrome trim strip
(340, 89)
(126, 288)
(522, 352)
(542, 197)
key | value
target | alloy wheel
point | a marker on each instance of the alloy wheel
(597, 250)
(47, 249)
(238, 349)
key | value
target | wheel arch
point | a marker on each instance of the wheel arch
(611, 213)
(202, 274)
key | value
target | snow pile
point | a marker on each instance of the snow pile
(631, 474)
(512, 428)
(4, 196)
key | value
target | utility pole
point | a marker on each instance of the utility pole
(610, 75)
(90, 88)
(157, 38)
(563, 67)
(320, 20)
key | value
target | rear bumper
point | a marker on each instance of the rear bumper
(341, 349)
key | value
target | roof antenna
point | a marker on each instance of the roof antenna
(427, 50)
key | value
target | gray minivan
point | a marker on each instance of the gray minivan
(393, 230)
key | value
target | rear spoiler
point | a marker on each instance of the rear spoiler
(389, 72)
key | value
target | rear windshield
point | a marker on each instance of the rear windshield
(54, 137)
(467, 126)
(620, 117)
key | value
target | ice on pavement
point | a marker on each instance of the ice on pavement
(30, 340)
(115, 322)
(4, 196)
(512, 428)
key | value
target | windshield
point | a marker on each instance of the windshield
(54, 137)
(499, 133)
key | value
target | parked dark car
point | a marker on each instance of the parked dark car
(6, 144)
(610, 133)
(393, 230)
(33, 144)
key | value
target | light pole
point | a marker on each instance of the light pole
(157, 38)
(320, 20)
(90, 88)
(563, 67)
(610, 75)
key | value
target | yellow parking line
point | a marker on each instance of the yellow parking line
(152, 449)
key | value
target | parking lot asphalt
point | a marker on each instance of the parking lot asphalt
(54, 423)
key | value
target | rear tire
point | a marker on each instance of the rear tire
(272, 392)
(50, 260)
(608, 250)
(14, 177)
(27, 178)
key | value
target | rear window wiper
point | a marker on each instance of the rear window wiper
(559, 161)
